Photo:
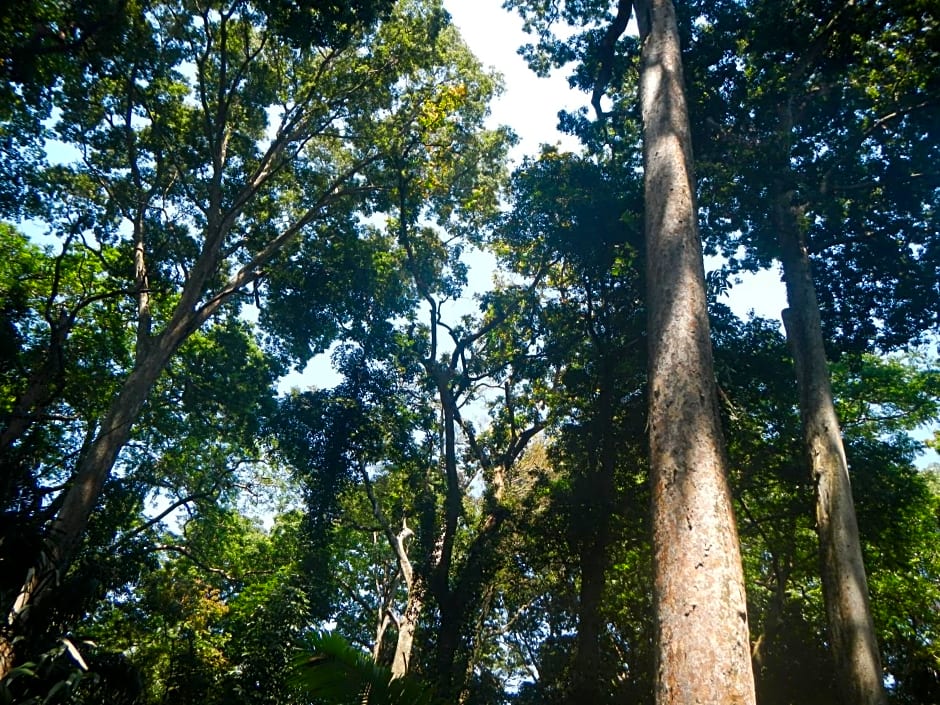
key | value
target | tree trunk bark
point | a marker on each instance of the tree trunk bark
(448, 642)
(407, 626)
(407, 623)
(82, 495)
(845, 588)
(587, 684)
(442, 559)
(94, 468)
(702, 644)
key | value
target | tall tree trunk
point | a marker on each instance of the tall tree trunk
(442, 557)
(449, 629)
(456, 588)
(95, 464)
(407, 626)
(702, 645)
(587, 686)
(853, 644)
(81, 497)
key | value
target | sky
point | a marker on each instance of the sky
(530, 104)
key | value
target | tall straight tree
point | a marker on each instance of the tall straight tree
(703, 652)
(703, 649)
(816, 118)
(845, 585)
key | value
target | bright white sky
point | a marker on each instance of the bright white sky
(530, 104)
